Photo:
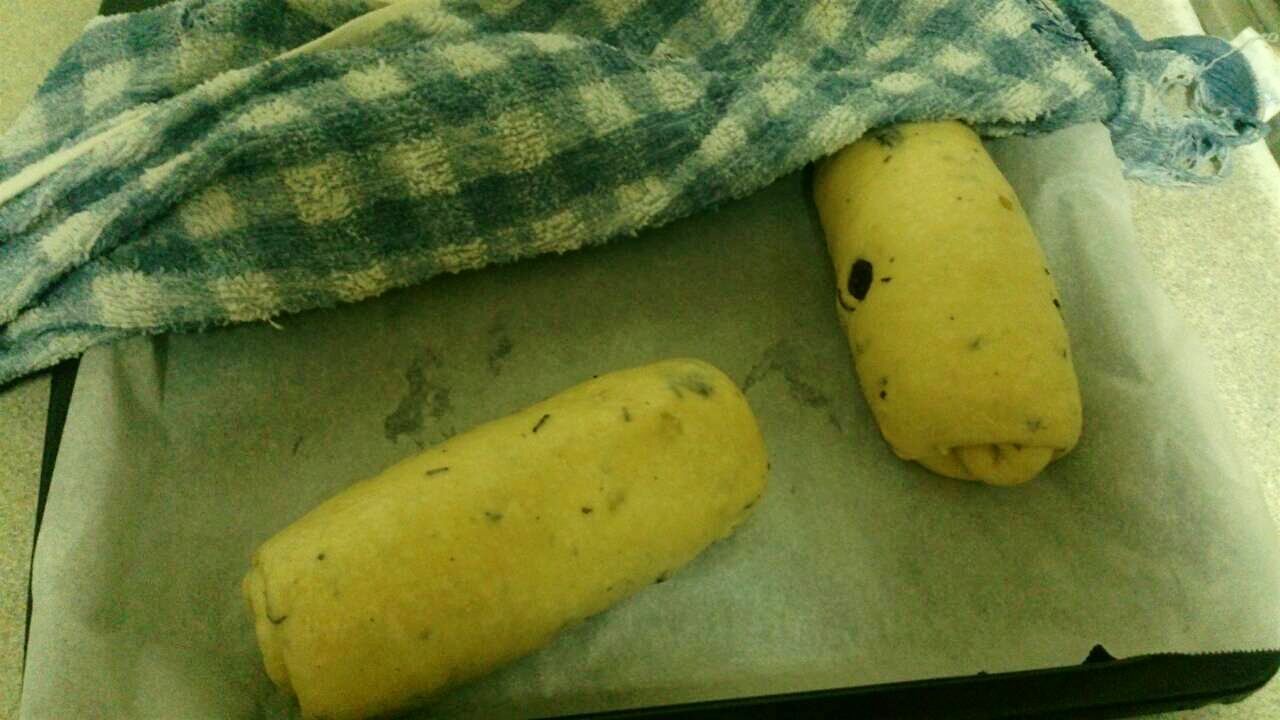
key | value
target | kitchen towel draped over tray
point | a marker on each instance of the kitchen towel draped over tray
(216, 161)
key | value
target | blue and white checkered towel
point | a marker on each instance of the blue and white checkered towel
(216, 161)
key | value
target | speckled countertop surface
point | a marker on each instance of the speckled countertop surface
(32, 35)
(1215, 250)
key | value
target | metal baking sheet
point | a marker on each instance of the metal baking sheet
(182, 452)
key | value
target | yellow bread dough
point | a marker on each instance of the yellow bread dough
(950, 309)
(481, 549)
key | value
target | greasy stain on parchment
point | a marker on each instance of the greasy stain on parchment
(785, 360)
(424, 397)
(500, 347)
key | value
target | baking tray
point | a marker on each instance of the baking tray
(1101, 686)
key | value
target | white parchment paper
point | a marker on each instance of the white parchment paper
(182, 453)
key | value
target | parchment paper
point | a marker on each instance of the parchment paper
(182, 453)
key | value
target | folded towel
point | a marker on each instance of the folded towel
(216, 161)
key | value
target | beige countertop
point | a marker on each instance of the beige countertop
(1215, 250)
(31, 38)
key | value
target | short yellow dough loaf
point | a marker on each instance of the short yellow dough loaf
(481, 549)
(949, 307)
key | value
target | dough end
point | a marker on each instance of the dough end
(993, 464)
(254, 587)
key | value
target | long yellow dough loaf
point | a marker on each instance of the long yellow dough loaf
(481, 549)
(950, 309)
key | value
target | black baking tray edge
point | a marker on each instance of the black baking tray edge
(1100, 687)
